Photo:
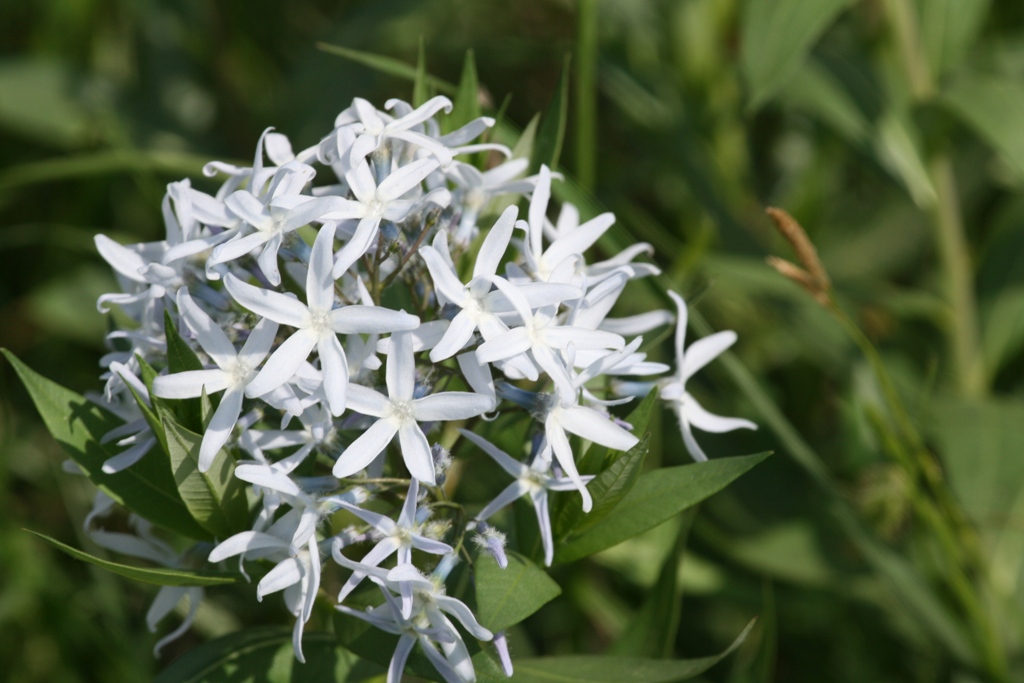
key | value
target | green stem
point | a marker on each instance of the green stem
(586, 92)
(954, 254)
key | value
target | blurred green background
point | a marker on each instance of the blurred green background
(885, 539)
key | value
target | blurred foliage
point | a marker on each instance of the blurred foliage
(884, 542)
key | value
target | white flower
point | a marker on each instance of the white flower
(479, 306)
(534, 481)
(317, 325)
(690, 412)
(399, 414)
(399, 537)
(234, 371)
(542, 337)
(297, 571)
(373, 128)
(375, 201)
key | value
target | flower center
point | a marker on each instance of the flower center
(320, 322)
(403, 411)
(240, 373)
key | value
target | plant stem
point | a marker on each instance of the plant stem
(954, 254)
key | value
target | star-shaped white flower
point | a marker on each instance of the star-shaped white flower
(534, 481)
(317, 324)
(399, 414)
(234, 371)
(690, 412)
(399, 537)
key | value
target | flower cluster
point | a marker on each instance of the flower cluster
(354, 309)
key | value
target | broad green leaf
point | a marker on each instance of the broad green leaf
(551, 134)
(948, 29)
(507, 596)
(980, 445)
(1003, 328)
(420, 88)
(994, 107)
(264, 655)
(657, 496)
(776, 37)
(652, 633)
(605, 669)
(386, 65)
(216, 499)
(159, 577)
(607, 489)
(466, 106)
(147, 487)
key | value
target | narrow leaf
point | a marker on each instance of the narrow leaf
(604, 669)
(160, 577)
(385, 65)
(657, 496)
(216, 499)
(507, 596)
(607, 489)
(420, 88)
(776, 37)
(180, 356)
(551, 134)
(147, 487)
(265, 654)
(466, 106)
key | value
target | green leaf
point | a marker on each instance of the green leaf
(180, 356)
(159, 577)
(1002, 328)
(551, 133)
(146, 488)
(776, 37)
(898, 151)
(386, 65)
(652, 632)
(994, 107)
(980, 445)
(603, 669)
(264, 655)
(507, 596)
(420, 88)
(607, 489)
(657, 496)
(948, 29)
(466, 106)
(216, 499)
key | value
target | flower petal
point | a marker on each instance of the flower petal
(365, 448)
(282, 364)
(451, 405)
(416, 453)
(269, 304)
(221, 425)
